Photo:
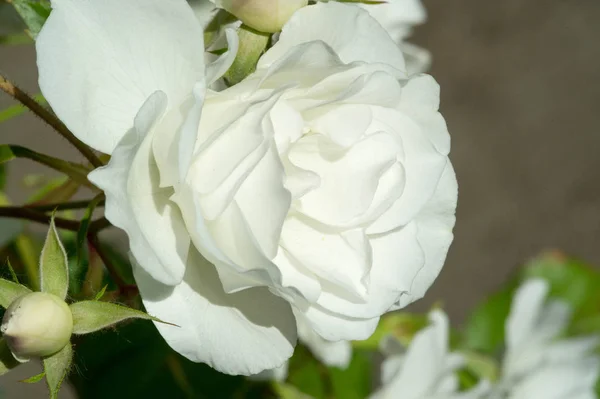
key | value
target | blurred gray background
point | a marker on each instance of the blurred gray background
(520, 92)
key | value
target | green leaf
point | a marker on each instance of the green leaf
(34, 13)
(54, 268)
(306, 373)
(56, 368)
(484, 330)
(18, 109)
(10, 291)
(90, 316)
(355, 381)
(35, 378)
(7, 360)
(287, 391)
(570, 280)
(60, 189)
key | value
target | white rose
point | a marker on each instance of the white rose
(318, 186)
(427, 369)
(537, 363)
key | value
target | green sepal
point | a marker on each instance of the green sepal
(54, 266)
(56, 368)
(90, 316)
(252, 44)
(10, 291)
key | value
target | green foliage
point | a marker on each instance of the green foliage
(35, 378)
(306, 373)
(136, 363)
(355, 381)
(10, 291)
(570, 280)
(287, 391)
(90, 316)
(54, 269)
(484, 330)
(34, 14)
(56, 368)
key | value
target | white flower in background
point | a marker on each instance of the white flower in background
(319, 186)
(427, 370)
(538, 364)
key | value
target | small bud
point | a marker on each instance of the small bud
(263, 15)
(37, 324)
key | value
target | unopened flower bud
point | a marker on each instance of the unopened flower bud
(263, 15)
(36, 325)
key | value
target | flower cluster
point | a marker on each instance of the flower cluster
(538, 363)
(316, 192)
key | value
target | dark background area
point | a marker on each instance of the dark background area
(520, 92)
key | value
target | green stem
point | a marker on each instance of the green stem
(252, 44)
(51, 119)
(63, 206)
(16, 212)
(75, 171)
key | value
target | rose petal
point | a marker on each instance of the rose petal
(134, 202)
(335, 327)
(243, 333)
(526, 309)
(100, 60)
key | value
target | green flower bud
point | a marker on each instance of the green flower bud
(263, 15)
(37, 324)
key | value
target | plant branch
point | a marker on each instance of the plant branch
(63, 206)
(48, 117)
(33, 215)
(112, 270)
(73, 170)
